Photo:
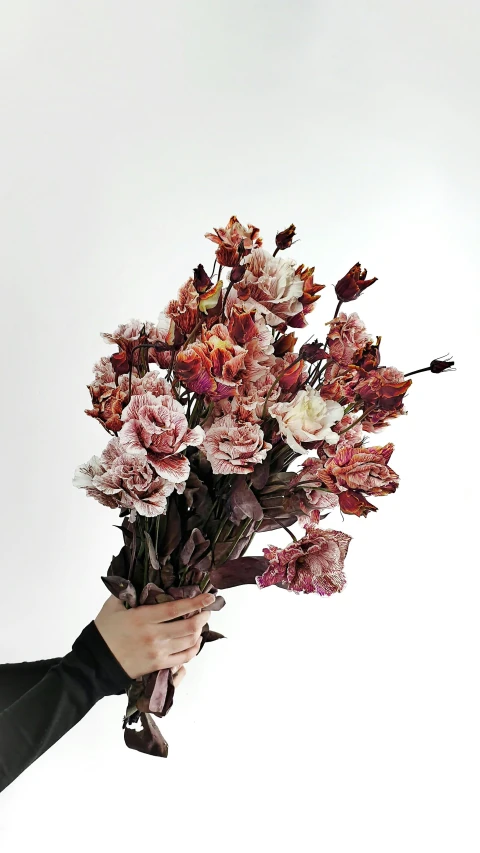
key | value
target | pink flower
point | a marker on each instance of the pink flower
(249, 402)
(153, 381)
(339, 383)
(347, 337)
(213, 366)
(184, 310)
(233, 447)
(156, 428)
(118, 479)
(272, 286)
(364, 469)
(228, 240)
(313, 564)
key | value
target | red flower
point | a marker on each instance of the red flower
(355, 503)
(353, 284)
(385, 386)
(284, 239)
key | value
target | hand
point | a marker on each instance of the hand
(179, 673)
(145, 639)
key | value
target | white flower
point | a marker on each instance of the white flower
(307, 418)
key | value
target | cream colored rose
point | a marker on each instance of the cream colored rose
(308, 417)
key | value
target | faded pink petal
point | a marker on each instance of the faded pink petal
(233, 447)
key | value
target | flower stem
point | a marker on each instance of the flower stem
(422, 370)
(337, 309)
(359, 420)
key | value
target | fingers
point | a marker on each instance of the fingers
(185, 656)
(169, 610)
(184, 627)
(179, 676)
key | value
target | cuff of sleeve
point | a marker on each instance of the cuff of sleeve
(93, 650)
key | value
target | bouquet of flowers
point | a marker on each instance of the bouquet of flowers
(208, 409)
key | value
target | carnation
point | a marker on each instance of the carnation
(156, 428)
(313, 564)
(118, 479)
(307, 418)
(272, 286)
(346, 338)
(233, 447)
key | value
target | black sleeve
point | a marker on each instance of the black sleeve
(58, 694)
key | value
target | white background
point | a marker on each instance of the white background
(129, 129)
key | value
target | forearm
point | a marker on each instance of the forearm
(57, 702)
(18, 678)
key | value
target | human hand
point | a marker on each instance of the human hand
(179, 673)
(145, 639)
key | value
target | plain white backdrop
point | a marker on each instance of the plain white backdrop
(129, 129)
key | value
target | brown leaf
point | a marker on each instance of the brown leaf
(148, 740)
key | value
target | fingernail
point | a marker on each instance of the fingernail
(209, 599)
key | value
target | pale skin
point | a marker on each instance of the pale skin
(145, 639)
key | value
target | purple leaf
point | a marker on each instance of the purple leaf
(237, 572)
(122, 589)
(151, 551)
(243, 503)
(260, 475)
(148, 740)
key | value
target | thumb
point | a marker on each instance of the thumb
(113, 604)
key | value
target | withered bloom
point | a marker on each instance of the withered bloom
(233, 241)
(313, 352)
(237, 273)
(108, 404)
(369, 356)
(284, 344)
(311, 292)
(201, 280)
(353, 284)
(284, 239)
(355, 503)
(384, 386)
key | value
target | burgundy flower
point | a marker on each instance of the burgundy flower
(156, 428)
(284, 239)
(230, 238)
(233, 447)
(310, 294)
(385, 387)
(118, 479)
(369, 356)
(355, 503)
(128, 336)
(313, 564)
(353, 284)
(378, 419)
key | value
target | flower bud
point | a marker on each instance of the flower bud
(286, 343)
(438, 366)
(284, 238)
(201, 280)
(353, 284)
(313, 352)
(355, 503)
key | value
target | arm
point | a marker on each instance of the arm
(56, 701)
(17, 678)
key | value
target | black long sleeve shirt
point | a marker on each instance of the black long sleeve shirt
(40, 701)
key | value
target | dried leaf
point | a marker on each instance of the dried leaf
(121, 588)
(151, 552)
(243, 503)
(173, 533)
(260, 475)
(237, 572)
(148, 739)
